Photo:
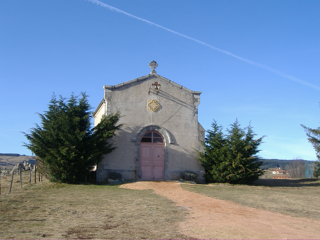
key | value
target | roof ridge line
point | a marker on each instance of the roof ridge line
(111, 87)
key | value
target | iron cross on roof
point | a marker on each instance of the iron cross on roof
(153, 64)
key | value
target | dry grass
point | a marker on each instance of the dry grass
(294, 197)
(48, 210)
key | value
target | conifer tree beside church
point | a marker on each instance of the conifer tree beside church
(231, 158)
(66, 144)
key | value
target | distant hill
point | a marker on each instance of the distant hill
(9, 160)
(274, 163)
(10, 154)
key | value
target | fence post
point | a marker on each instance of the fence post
(20, 178)
(35, 174)
(11, 181)
(30, 175)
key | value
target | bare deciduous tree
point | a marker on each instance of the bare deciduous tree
(296, 168)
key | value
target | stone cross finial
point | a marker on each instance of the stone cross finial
(153, 64)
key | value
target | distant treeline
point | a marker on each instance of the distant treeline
(10, 154)
(267, 163)
(276, 163)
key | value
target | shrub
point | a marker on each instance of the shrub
(189, 176)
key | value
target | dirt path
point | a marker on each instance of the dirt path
(213, 218)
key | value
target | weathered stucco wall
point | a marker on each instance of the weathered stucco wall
(99, 113)
(176, 120)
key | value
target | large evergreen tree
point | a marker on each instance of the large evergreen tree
(231, 158)
(65, 144)
(214, 154)
(314, 138)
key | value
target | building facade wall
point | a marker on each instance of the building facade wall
(176, 120)
(99, 113)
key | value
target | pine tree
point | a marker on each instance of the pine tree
(314, 138)
(65, 144)
(212, 159)
(231, 158)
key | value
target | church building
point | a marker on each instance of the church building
(160, 133)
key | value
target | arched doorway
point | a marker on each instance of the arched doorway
(152, 156)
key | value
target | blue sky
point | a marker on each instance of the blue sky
(64, 46)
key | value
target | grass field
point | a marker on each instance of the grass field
(294, 197)
(47, 210)
(50, 210)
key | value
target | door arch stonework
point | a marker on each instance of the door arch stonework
(168, 140)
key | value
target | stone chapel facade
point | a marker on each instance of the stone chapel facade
(160, 130)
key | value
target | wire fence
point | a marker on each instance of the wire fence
(309, 169)
(32, 172)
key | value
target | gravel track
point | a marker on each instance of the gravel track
(212, 218)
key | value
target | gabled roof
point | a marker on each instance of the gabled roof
(143, 78)
(140, 79)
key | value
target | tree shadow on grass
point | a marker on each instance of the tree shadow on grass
(307, 182)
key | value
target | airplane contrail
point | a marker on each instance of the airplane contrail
(282, 74)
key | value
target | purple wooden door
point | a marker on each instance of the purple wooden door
(145, 161)
(152, 156)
